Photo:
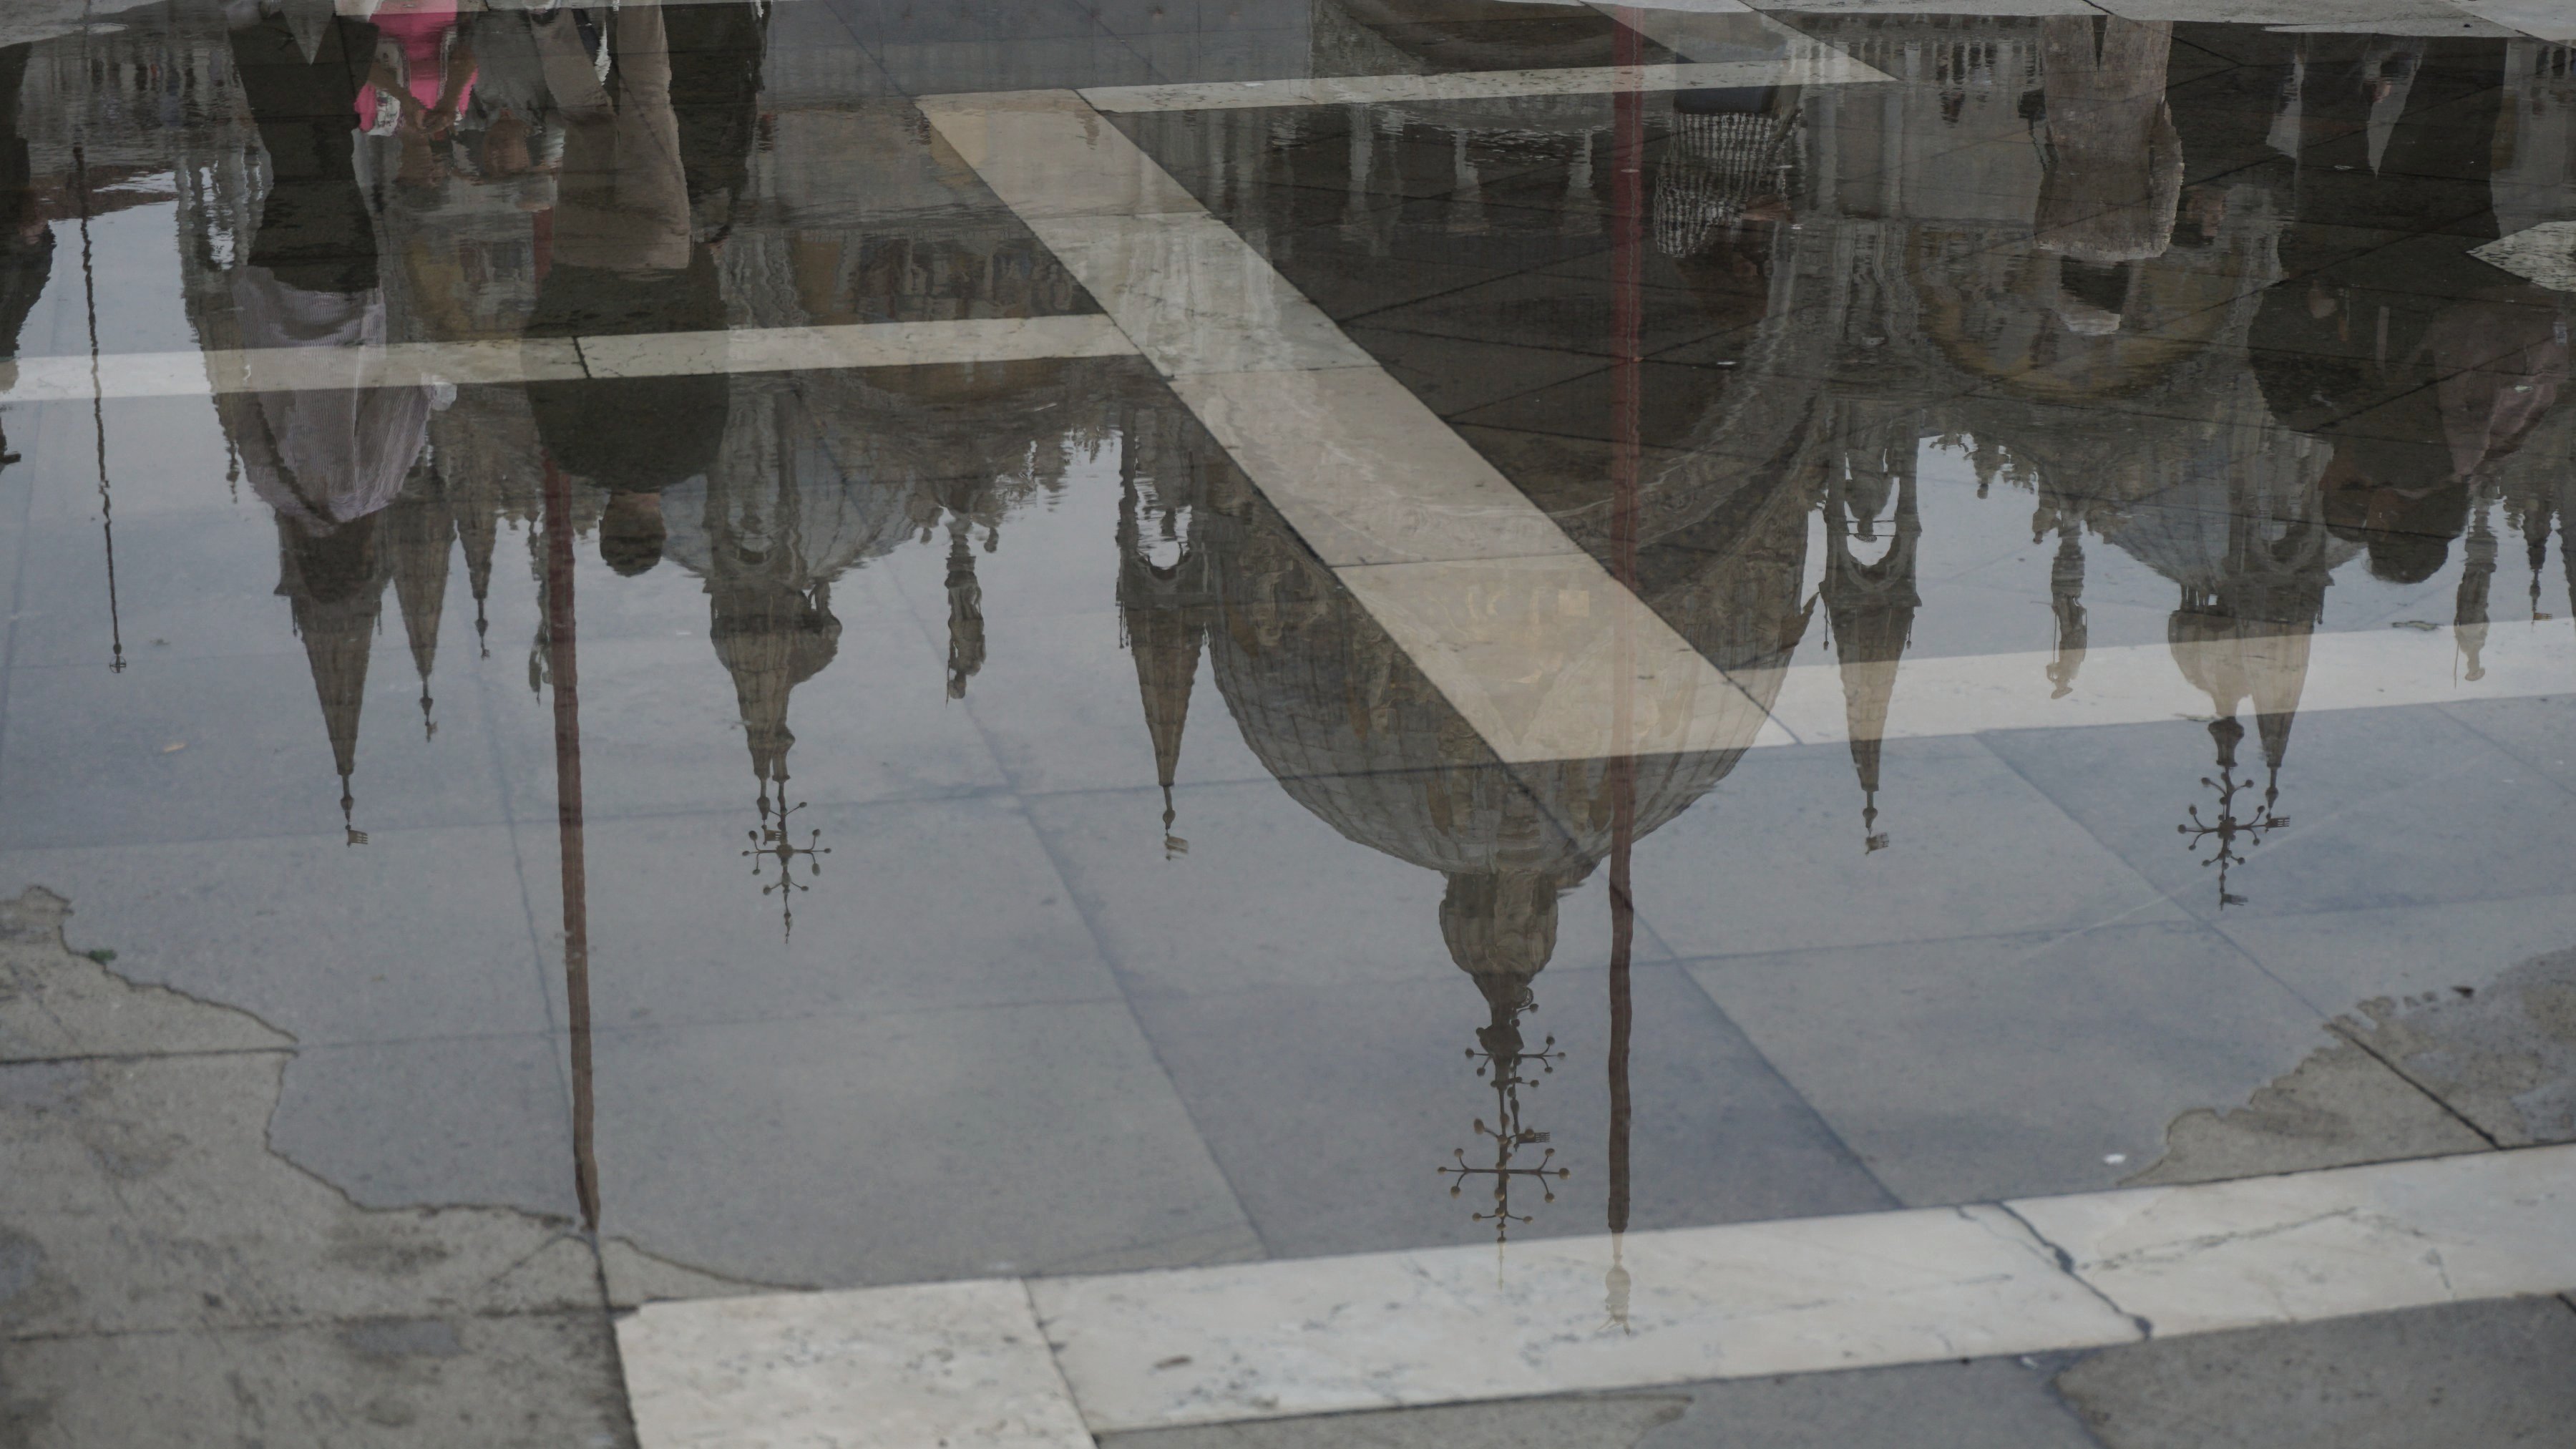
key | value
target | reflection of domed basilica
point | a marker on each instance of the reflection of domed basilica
(2011, 253)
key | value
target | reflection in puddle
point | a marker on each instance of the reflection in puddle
(2225, 323)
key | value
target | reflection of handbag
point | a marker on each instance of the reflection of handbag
(387, 105)
(1719, 164)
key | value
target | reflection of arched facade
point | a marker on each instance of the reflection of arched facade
(1358, 736)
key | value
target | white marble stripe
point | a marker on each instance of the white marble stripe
(1047, 153)
(2140, 684)
(1447, 1325)
(1193, 296)
(867, 344)
(1245, 1342)
(952, 1365)
(777, 349)
(1525, 634)
(1364, 471)
(1532, 652)
(286, 369)
(2324, 1245)
(2543, 19)
(1826, 68)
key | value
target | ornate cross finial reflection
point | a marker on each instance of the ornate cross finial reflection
(2226, 829)
(1500, 1063)
(774, 842)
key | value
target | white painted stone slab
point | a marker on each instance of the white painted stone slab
(2325, 1244)
(1391, 1329)
(1365, 472)
(2140, 684)
(1829, 67)
(423, 364)
(1929, 7)
(1549, 658)
(868, 344)
(282, 369)
(1048, 153)
(2545, 19)
(950, 1365)
(1194, 296)
(2381, 17)
(2544, 255)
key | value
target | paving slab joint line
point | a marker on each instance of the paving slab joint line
(2066, 1265)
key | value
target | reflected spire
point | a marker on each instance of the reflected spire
(476, 519)
(965, 605)
(2248, 643)
(772, 638)
(1162, 603)
(2535, 545)
(335, 588)
(420, 536)
(2066, 607)
(1870, 607)
(2469, 610)
(1501, 930)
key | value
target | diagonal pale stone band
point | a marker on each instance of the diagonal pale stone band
(1527, 636)
(1046, 1363)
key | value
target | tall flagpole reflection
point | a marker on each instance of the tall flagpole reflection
(1627, 260)
(563, 667)
(98, 411)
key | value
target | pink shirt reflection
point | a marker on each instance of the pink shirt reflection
(421, 28)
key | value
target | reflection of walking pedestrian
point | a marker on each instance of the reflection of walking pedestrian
(323, 458)
(623, 200)
(2417, 361)
(2113, 159)
(624, 263)
(26, 242)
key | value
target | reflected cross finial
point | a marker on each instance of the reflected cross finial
(1501, 1065)
(2226, 829)
(772, 842)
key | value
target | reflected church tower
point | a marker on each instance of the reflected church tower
(2253, 581)
(1356, 734)
(334, 585)
(1870, 605)
(1165, 588)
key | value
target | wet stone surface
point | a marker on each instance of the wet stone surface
(674, 651)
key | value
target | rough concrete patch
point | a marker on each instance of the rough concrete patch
(388, 1339)
(2479, 1376)
(2340, 1106)
(157, 1191)
(22, 1265)
(56, 1003)
(140, 1193)
(538, 1380)
(2502, 1055)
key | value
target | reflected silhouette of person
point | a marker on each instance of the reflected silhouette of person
(625, 263)
(321, 457)
(2418, 362)
(26, 241)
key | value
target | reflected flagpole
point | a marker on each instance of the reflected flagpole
(98, 410)
(1627, 258)
(563, 667)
